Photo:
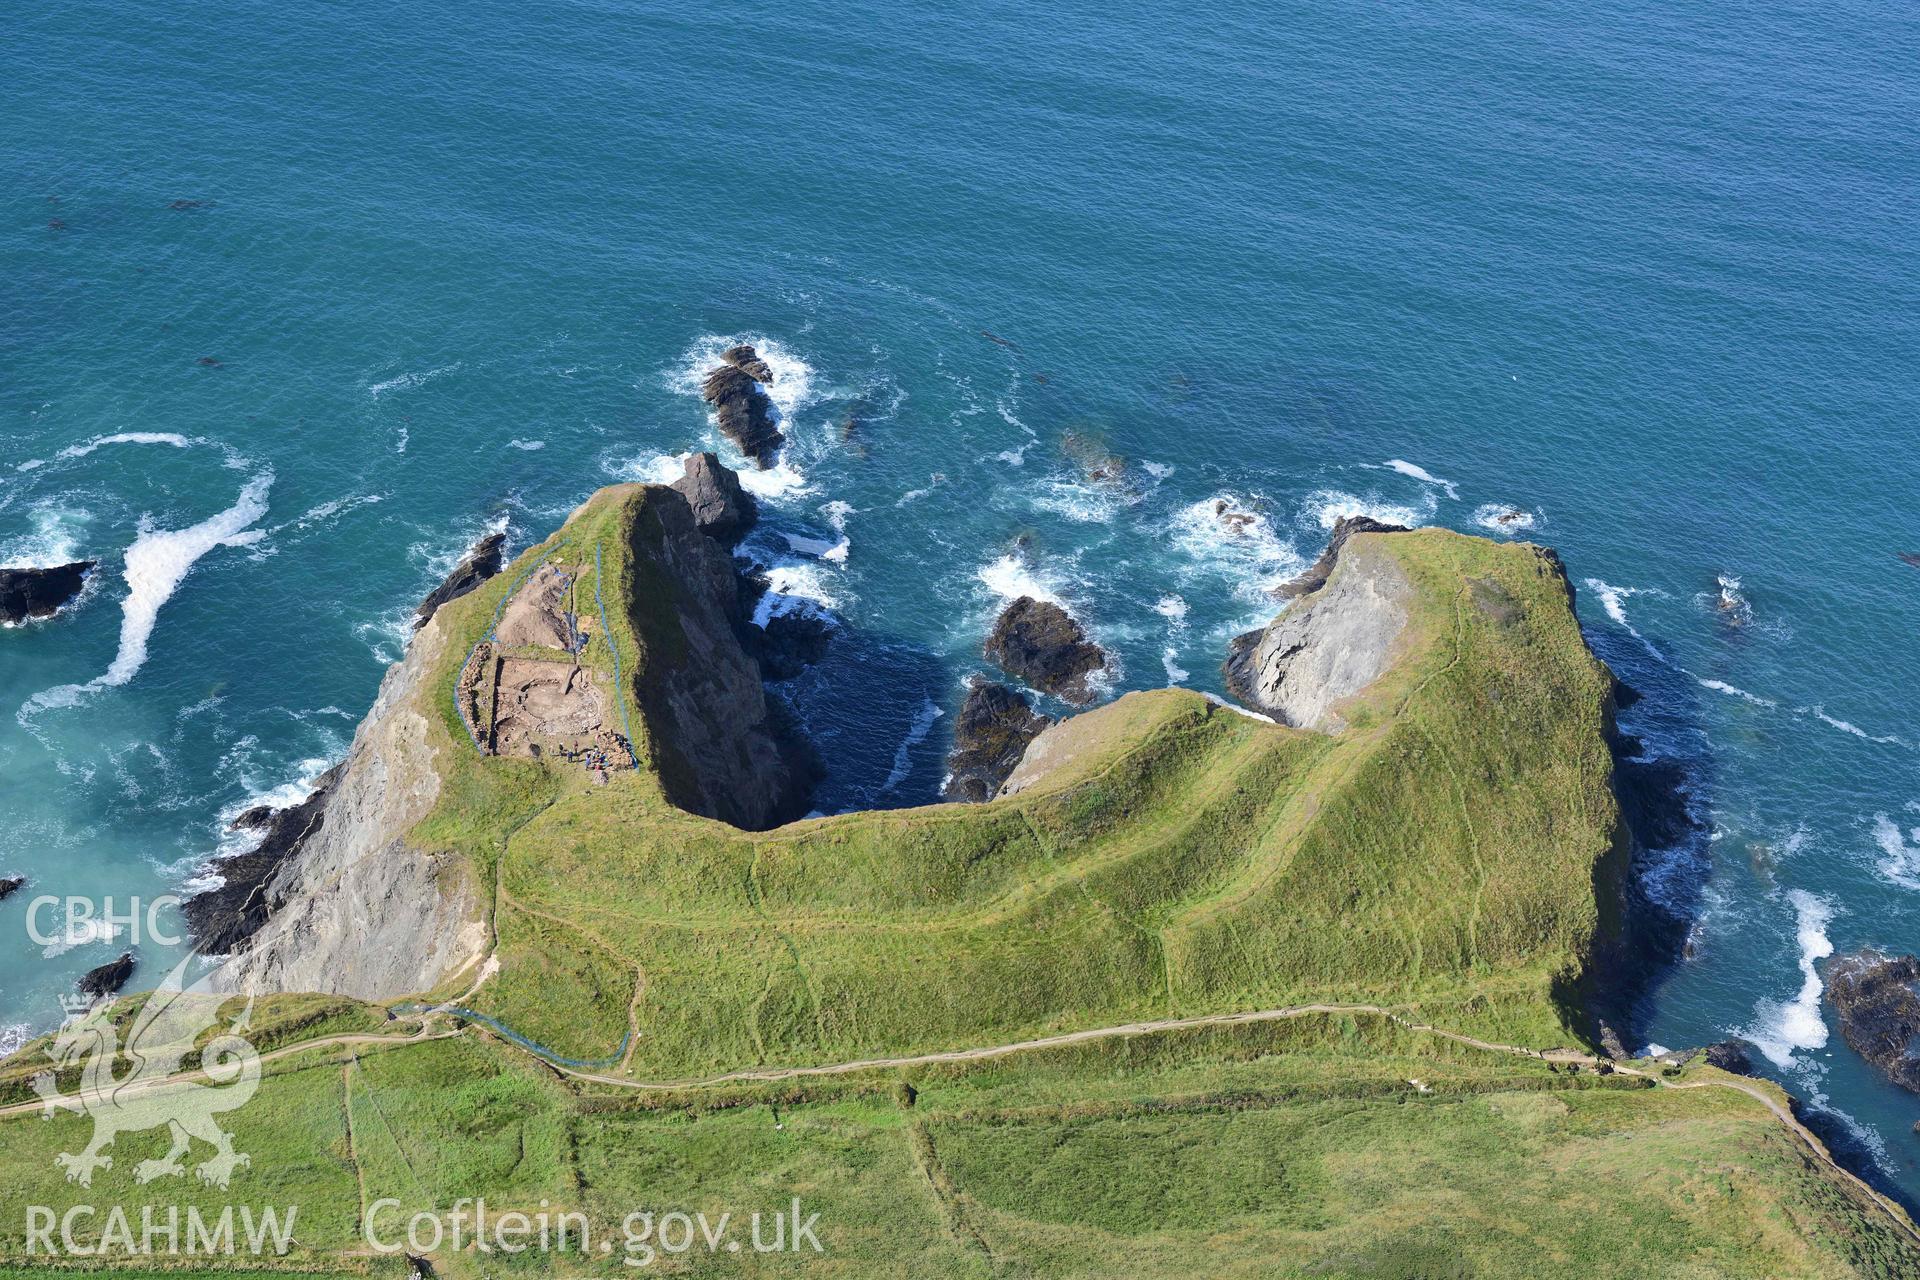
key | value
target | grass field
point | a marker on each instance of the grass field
(1451, 857)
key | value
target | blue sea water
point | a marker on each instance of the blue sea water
(1644, 273)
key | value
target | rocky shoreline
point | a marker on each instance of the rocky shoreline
(38, 593)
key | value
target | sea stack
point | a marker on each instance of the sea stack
(737, 391)
(721, 508)
(1040, 643)
(42, 592)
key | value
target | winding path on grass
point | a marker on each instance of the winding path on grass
(1558, 1057)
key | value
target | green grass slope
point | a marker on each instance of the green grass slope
(1447, 858)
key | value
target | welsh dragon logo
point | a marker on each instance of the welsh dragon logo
(148, 1094)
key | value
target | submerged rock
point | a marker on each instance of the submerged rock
(1329, 644)
(1040, 643)
(995, 727)
(1317, 574)
(1878, 999)
(483, 561)
(40, 593)
(742, 406)
(108, 978)
(721, 508)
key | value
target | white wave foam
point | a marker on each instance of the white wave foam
(836, 513)
(795, 586)
(1505, 520)
(1171, 607)
(54, 540)
(818, 548)
(408, 381)
(777, 483)
(13, 1037)
(1081, 502)
(156, 564)
(80, 933)
(916, 734)
(526, 446)
(1614, 600)
(1733, 691)
(1176, 674)
(1423, 475)
(1014, 457)
(1327, 507)
(1783, 1028)
(1225, 537)
(1900, 862)
(1011, 577)
(1848, 727)
(173, 438)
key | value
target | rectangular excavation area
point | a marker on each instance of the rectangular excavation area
(544, 710)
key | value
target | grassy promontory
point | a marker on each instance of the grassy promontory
(1447, 861)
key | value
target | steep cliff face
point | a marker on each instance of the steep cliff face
(1330, 644)
(353, 909)
(722, 747)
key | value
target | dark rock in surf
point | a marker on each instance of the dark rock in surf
(1878, 999)
(10, 885)
(483, 561)
(992, 734)
(40, 593)
(1039, 642)
(741, 405)
(1316, 575)
(721, 508)
(1730, 1055)
(108, 978)
(225, 917)
(748, 361)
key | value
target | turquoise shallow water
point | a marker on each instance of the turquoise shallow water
(1647, 273)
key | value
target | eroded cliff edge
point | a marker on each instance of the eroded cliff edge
(356, 892)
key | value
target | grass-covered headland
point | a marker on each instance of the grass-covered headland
(1446, 862)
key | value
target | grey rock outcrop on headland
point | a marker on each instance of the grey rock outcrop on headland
(479, 564)
(721, 508)
(1039, 642)
(1321, 569)
(736, 390)
(992, 733)
(40, 593)
(345, 905)
(1329, 644)
(1878, 999)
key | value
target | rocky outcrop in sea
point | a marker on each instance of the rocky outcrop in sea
(1878, 999)
(722, 509)
(736, 389)
(991, 734)
(107, 979)
(1039, 642)
(40, 593)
